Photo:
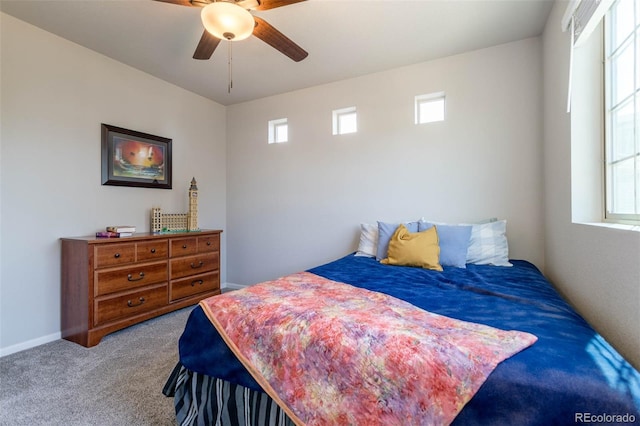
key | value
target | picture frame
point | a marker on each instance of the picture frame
(131, 158)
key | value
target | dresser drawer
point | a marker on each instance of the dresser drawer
(114, 254)
(184, 246)
(129, 304)
(152, 250)
(134, 276)
(191, 286)
(208, 243)
(192, 265)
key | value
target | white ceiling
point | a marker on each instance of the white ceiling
(344, 38)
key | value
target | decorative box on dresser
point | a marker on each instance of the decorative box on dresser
(112, 283)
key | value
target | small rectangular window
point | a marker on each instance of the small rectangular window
(345, 121)
(278, 131)
(429, 108)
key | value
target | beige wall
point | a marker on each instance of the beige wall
(298, 204)
(597, 268)
(54, 95)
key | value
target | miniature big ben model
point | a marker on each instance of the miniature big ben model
(192, 215)
(177, 222)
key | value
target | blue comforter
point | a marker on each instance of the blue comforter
(570, 375)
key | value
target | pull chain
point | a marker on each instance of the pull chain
(230, 84)
(229, 36)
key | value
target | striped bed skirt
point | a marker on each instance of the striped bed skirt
(203, 400)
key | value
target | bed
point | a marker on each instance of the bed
(568, 375)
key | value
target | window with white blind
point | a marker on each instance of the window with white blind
(622, 111)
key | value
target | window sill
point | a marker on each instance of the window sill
(621, 226)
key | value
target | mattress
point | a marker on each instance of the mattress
(570, 375)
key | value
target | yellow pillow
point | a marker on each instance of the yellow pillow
(414, 249)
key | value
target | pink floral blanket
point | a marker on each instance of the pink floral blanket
(332, 354)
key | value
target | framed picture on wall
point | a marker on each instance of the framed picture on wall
(131, 158)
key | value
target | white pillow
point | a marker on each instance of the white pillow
(368, 240)
(488, 244)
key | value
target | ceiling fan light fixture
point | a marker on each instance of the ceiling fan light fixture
(227, 21)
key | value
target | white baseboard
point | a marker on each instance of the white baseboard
(233, 286)
(30, 344)
(56, 336)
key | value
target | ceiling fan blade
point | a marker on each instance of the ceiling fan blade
(274, 38)
(192, 3)
(272, 4)
(206, 46)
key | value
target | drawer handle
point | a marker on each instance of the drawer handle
(199, 265)
(208, 243)
(117, 255)
(153, 250)
(193, 283)
(130, 277)
(131, 305)
(184, 246)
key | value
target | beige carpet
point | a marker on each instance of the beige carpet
(117, 382)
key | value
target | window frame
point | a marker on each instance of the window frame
(611, 107)
(274, 127)
(338, 115)
(429, 98)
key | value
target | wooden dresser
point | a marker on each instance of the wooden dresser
(112, 283)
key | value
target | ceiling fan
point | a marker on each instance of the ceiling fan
(216, 13)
